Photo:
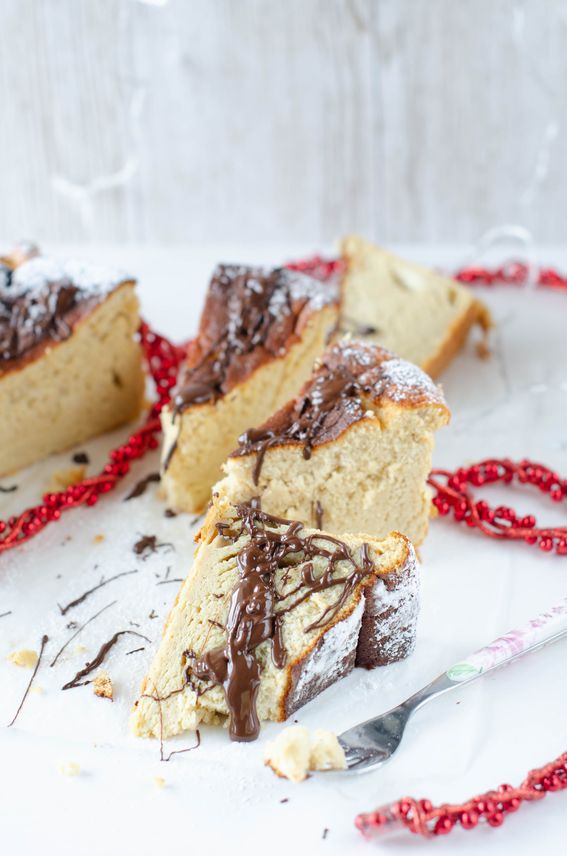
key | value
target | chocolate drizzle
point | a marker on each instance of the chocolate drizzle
(350, 379)
(251, 315)
(29, 318)
(77, 681)
(141, 487)
(264, 593)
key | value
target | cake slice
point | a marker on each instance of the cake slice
(259, 335)
(351, 452)
(70, 367)
(270, 615)
(421, 315)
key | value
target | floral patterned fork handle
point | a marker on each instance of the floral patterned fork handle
(370, 744)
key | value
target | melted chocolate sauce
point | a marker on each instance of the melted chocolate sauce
(29, 318)
(326, 406)
(260, 600)
(250, 316)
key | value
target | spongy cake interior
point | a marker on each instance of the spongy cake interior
(419, 314)
(89, 383)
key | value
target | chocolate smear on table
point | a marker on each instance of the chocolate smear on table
(325, 833)
(251, 315)
(44, 641)
(80, 630)
(10, 489)
(134, 651)
(65, 609)
(172, 580)
(4, 614)
(81, 458)
(147, 545)
(169, 512)
(77, 681)
(140, 488)
(259, 601)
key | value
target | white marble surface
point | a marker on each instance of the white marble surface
(220, 799)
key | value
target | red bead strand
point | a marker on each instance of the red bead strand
(492, 807)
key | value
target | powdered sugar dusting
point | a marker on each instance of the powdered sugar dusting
(40, 271)
(387, 374)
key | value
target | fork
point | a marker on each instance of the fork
(369, 745)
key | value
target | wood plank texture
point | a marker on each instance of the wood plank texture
(247, 120)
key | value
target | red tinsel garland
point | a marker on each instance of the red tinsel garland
(163, 360)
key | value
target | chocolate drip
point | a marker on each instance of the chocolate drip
(251, 315)
(318, 514)
(327, 405)
(46, 313)
(259, 602)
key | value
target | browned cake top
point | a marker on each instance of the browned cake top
(349, 377)
(42, 299)
(251, 316)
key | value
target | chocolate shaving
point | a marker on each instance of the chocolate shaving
(81, 628)
(10, 489)
(81, 458)
(44, 641)
(99, 659)
(140, 488)
(83, 597)
(147, 545)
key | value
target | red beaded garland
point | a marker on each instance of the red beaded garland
(492, 807)
(453, 495)
(163, 360)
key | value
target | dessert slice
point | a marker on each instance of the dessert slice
(351, 452)
(421, 315)
(70, 367)
(270, 615)
(259, 335)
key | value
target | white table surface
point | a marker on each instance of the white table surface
(220, 799)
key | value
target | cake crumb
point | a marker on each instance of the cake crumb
(159, 781)
(295, 752)
(69, 768)
(62, 479)
(37, 690)
(98, 539)
(25, 658)
(102, 685)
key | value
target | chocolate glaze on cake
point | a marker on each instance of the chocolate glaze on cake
(260, 600)
(251, 315)
(42, 299)
(350, 376)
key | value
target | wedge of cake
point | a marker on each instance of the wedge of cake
(269, 616)
(351, 452)
(70, 367)
(421, 315)
(259, 335)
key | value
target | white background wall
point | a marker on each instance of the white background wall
(246, 120)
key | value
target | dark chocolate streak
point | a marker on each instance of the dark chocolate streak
(29, 318)
(242, 326)
(99, 659)
(140, 488)
(328, 403)
(258, 604)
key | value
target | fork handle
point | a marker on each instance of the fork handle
(548, 627)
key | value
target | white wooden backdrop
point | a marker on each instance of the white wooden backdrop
(216, 120)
